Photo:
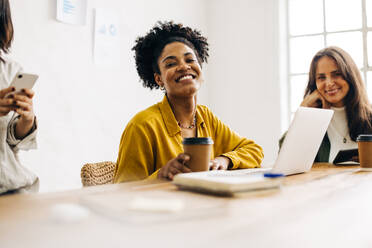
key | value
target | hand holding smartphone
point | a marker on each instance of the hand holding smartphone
(23, 81)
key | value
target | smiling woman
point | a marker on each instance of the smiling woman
(180, 72)
(170, 57)
(335, 82)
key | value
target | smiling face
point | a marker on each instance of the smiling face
(180, 71)
(330, 82)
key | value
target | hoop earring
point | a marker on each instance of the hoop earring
(162, 88)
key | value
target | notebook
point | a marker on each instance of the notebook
(297, 155)
(225, 182)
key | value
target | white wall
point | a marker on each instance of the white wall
(83, 108)
(243, 77)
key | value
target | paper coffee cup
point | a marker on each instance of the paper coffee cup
(200, 150)
(365, 150)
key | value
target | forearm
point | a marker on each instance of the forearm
(249, 155)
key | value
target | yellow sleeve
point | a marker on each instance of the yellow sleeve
(136, 158)
(243, 153)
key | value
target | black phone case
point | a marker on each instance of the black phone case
(345, 155)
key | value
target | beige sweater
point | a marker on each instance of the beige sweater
(13, 175)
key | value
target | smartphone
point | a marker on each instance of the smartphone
(345, 155)
(23, 81)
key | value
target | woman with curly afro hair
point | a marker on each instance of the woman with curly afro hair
(169, 57)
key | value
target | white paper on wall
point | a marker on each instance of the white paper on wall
(72, 11)
(106, 35)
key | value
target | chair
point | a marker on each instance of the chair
(98, 173)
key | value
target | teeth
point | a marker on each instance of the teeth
(332, 91)
(185, 77)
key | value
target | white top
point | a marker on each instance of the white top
(338, 131)
(13, 175)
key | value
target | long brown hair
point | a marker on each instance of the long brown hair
(6, 28)
(357, 106)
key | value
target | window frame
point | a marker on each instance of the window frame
(364, 30)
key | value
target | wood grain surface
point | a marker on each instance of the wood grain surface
(331, 206)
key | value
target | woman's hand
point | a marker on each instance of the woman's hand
(24, 107)
(7, 104)
(24, 103)
(174, 166)
(315, 100)
(219, 163)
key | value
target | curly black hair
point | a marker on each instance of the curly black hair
(149, 47)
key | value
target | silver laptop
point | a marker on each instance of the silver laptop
(303, 139)
(298, 151)
(297, 154)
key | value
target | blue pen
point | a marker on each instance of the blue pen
(273, 175)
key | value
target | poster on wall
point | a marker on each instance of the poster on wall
(72, 11)
(106, 38)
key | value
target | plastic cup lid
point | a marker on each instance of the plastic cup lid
(197, 141)
(364, 137)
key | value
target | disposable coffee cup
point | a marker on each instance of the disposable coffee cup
(365, 150)
(200, 150)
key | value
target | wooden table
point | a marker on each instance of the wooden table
(327, 207)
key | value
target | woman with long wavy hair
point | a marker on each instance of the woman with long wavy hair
(335, 82)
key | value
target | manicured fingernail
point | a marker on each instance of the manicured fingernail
(13, 88)
(14, 102)
(23, 90)
(11, 96)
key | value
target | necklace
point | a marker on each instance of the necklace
(193, 124)
(339, 124)
(190, 126)
(344, 137)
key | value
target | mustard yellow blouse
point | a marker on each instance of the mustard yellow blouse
(153, 137)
